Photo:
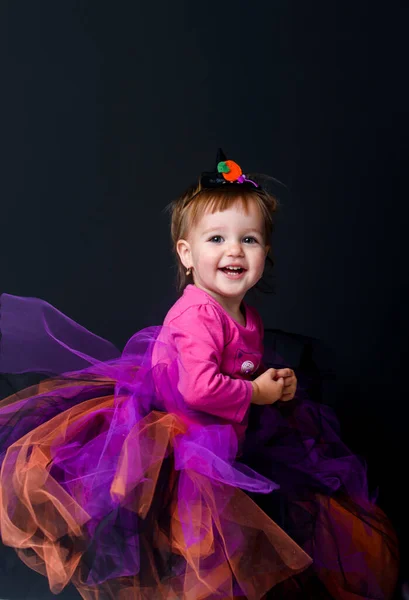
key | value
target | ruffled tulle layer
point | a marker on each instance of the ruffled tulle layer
(109, 481)
(322, 503)
(150, 509)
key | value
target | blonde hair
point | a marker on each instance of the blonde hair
(187, 210)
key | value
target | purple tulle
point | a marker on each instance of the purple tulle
(36, 337)
(112, 417)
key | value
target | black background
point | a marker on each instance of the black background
(108, 111)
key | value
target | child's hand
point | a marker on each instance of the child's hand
(290, 383)
(265, 389)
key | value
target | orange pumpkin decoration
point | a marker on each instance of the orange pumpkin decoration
(234, 171)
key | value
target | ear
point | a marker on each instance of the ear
(184, 252)
(267, 249)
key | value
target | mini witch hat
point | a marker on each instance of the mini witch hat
(226, 172)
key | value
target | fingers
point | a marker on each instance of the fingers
(289, 388)
(287, 372)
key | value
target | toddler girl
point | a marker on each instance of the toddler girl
(182, 468)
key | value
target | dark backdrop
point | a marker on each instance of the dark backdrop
(109, 109)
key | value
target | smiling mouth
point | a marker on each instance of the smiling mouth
(233, 272)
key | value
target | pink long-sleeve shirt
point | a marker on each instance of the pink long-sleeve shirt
(216, 356)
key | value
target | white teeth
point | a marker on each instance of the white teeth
(233, 268)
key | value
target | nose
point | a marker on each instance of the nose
(235, 249)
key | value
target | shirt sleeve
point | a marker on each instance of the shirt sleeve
(199, 338)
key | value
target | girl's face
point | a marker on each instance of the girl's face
(232, 238)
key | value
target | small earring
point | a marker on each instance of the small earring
(188, 272)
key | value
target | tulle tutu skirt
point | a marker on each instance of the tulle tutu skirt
(110, 482)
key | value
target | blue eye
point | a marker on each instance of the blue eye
(253, 239)
(215, 237)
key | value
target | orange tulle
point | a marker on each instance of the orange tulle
(49, 524)
(366, 540)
